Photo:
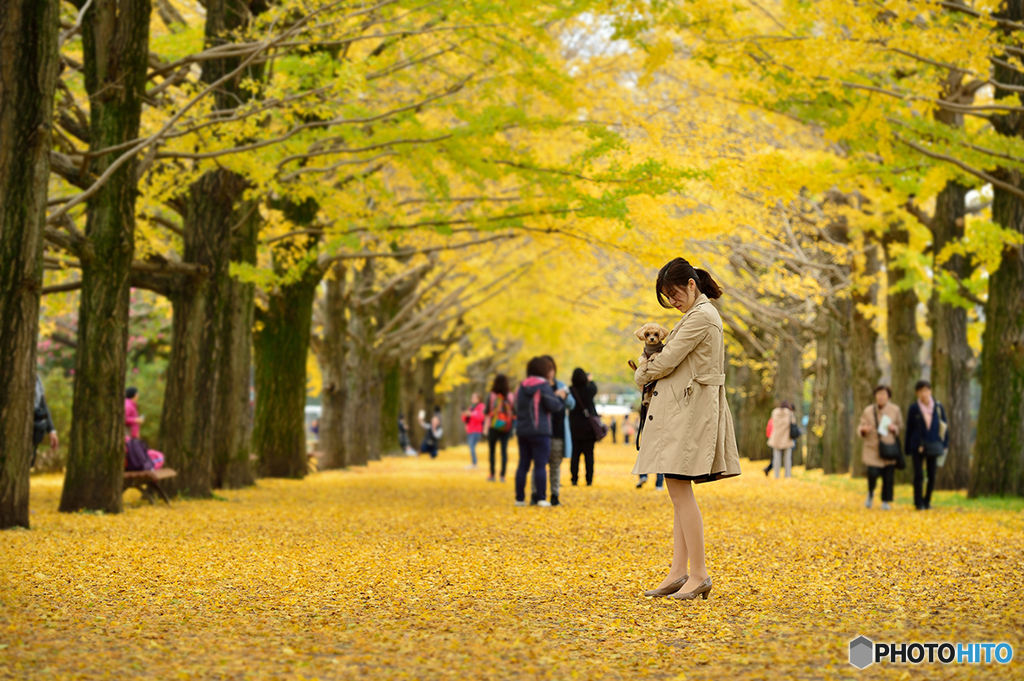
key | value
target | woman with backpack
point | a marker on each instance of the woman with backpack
(500, 416)
(536, 403)
(583, 436)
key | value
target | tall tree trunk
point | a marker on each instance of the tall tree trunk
(391, 406)
(755, 409)
(789, 383)
(115, 42)
(282, 347)
(833, 395)
(28, 75)
(232, 440)
(188, 427)
(410, 401)
(333, 356)
(231, 415)
(863, 343)
(998, 466)
(951, 353)
(903, 338)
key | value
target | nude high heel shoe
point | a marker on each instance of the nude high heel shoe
(704, 590)
(668, 590)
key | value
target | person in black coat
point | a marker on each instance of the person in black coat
(583, 439)
(927, 440)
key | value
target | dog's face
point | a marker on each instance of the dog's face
(652, 334)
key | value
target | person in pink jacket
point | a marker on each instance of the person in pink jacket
(474, 419)
(132, 420)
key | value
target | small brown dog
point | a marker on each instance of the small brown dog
(653, 335)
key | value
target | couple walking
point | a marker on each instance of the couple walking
(927, 437)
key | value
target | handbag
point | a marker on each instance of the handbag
(596, 424)
(891, 452)
(795, 432)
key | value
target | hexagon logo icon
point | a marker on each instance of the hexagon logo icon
(862, 652)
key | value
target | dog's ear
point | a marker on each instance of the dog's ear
(640, 332)
(662, 333)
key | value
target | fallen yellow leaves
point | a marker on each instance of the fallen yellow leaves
(419, 569)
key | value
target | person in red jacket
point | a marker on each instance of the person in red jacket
(132, 420)
(474, 419)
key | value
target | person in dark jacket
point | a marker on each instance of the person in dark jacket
(535, 403)
(583, 438)
(42, 422)
(927, 440)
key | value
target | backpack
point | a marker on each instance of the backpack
(501, 416)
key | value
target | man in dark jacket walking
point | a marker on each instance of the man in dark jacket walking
(927, 440)
(535, 402)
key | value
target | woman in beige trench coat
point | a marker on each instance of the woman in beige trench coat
(688, 433)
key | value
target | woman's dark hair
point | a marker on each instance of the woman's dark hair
(552, 360)
(131, 392)
(539, 366)
(500, 385)
(677, 273)
(579, 378)
(786, 404)
(922, 384)
(884, 387)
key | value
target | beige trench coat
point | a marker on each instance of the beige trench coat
(782, 419)
(689, 428)
(870, 454)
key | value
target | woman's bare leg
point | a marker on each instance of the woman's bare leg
(691, 523)
(679, 555)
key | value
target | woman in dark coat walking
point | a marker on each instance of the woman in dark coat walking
(583, 438)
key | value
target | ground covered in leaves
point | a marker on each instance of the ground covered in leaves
(415, 568)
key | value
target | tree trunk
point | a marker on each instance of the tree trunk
(902, 336)
(752, 417)
(282, 347)
(998, 466)
(333, 356)
(833, 395)
(232, 418)
(410, 402)
(789, 383)
(863, 341)
(232, 439)
(951, 353)
(28, 46)
(115, 42)
(391, 405)
(188, 426)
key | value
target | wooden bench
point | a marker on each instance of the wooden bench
(148, 481)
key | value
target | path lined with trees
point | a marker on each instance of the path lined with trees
(406, 191)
